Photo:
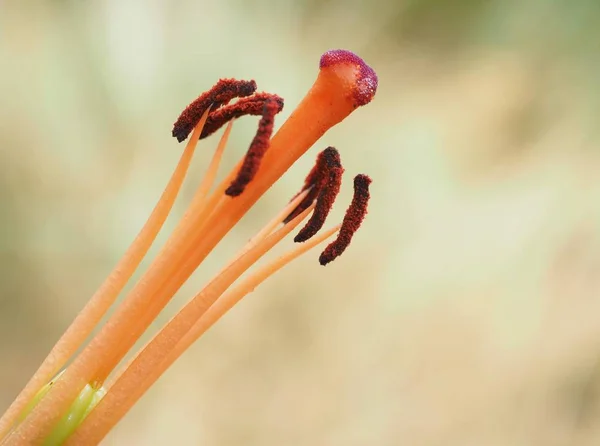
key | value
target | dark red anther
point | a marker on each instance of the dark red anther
(352, 220)
(315, 180)
(220, 94)
(328, 189)
(257, 149)
(252, 105)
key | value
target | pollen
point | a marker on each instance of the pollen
(220, 94)
(314, 181)
(352, 220)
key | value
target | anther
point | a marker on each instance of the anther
(352, 220)
(315, 180)
(257, 149)
(220, 94)
(329, 185)
(251, 105)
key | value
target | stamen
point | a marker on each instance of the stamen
(220, 94)
(329, 187)
(257, 149)
(352, 220)
(252, 105)
(316, 178)
(333, 96)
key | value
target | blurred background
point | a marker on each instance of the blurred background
(467, 311)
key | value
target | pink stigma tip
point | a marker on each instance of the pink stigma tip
(366, 81)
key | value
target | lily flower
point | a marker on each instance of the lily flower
(78, 404)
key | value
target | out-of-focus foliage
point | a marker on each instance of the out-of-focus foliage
(467, 310)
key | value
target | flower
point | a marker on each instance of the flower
(344, 83)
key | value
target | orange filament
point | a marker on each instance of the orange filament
(146, 319)
(124, 394)
(277, 220)
(228, 300)
(156, 350)
(261, 235)
(105, 296)
(73, 376)
(200, 199)
(199, 203)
